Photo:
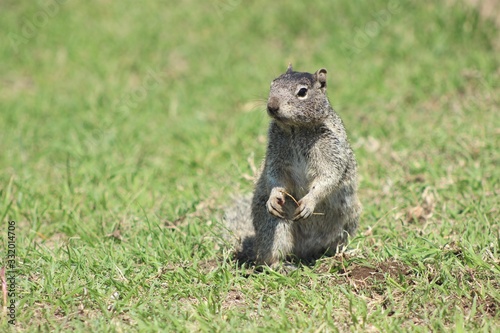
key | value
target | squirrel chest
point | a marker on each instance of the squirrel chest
(300, 170)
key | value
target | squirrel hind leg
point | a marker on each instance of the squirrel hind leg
(245, 251)
(274, 242)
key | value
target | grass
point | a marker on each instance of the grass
(126, 128)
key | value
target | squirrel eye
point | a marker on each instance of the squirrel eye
(302, 92)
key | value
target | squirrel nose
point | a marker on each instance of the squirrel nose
(273, 105)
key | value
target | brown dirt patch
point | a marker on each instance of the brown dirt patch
(491, 306)
(366, 273)
(234, 298)
(393, 269)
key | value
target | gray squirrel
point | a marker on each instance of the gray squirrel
(305, 200)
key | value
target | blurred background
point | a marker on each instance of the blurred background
(117, 112)
(168, 97)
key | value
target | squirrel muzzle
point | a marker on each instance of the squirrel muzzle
(273, 106)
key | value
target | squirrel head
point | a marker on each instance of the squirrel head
(298, 98)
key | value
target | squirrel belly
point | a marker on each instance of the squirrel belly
(304, 203)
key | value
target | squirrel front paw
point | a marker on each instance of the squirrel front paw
(276, 202)
(305, 208)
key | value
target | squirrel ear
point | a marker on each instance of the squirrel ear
(289, 70)
(321, 77)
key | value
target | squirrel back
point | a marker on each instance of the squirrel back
(305, 200)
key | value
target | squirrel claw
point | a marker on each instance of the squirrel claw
(304, 214)
(275, 210)
(277, 215)
(275, 203)
(305, 209)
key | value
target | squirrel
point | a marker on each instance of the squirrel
(305, 202)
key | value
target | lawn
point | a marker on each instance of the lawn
(126, 128)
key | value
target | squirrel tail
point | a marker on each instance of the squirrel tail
(239, 228)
